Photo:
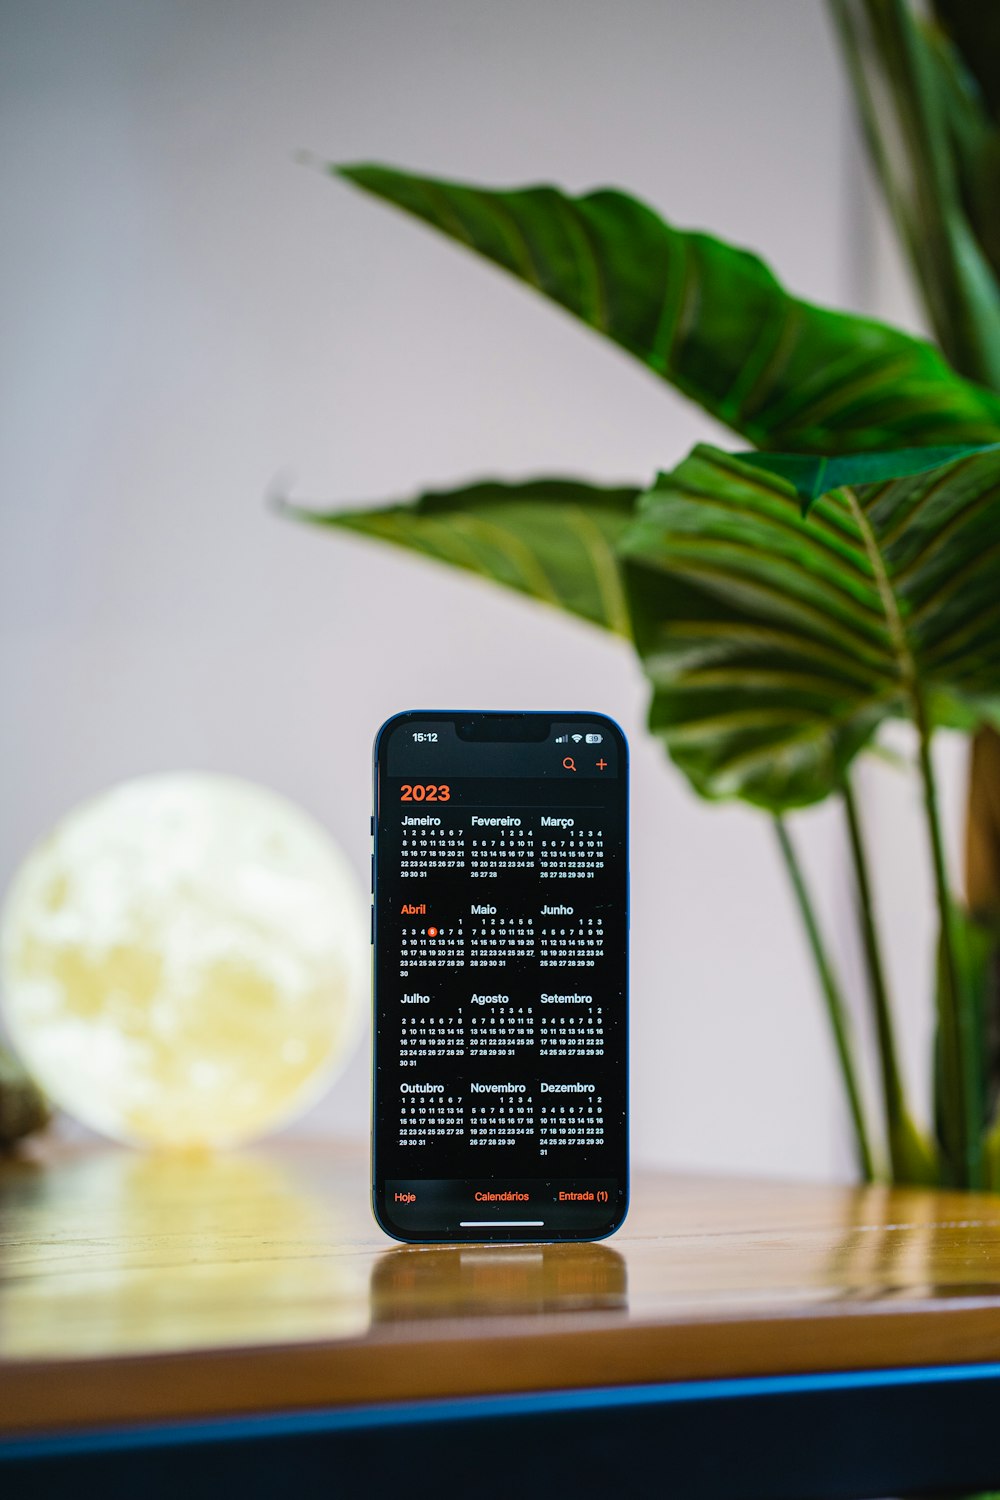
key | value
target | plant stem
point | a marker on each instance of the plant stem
(908, 1158)
(968, 1145)
(835, 1009)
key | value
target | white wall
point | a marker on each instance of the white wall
(186, 313)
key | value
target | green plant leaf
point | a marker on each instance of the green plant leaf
(812, 477)
(553, 539)
(709, 318)
(974, 27)
(935, 149)
(776, 645)
(973, 140)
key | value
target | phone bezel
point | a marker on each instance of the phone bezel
(529, 719)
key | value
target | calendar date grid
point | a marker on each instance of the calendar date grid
(493, 899)
(501, 1116)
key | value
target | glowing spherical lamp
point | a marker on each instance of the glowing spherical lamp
(183, 961)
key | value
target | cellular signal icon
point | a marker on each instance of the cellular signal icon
(562, 739)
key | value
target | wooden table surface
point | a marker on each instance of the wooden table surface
(136, 1287)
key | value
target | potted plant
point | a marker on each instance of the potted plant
(788, 601)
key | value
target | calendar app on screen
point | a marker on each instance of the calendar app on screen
(500, 934)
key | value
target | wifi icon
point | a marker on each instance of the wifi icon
(577, 738)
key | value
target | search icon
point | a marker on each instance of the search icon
(569, 764)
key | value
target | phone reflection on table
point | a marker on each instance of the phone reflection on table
(494, 1280)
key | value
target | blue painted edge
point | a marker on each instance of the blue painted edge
(465, 1408)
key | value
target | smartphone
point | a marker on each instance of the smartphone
(500, 958)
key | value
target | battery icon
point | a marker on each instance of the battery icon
(594, 739)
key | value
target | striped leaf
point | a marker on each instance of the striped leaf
(777, 644)
(813, 476)
(708, 318)
(553, 539)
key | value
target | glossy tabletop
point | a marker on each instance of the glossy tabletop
(138, 1288)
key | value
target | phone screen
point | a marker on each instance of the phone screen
(500, 932)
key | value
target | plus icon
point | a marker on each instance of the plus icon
(601, 764)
